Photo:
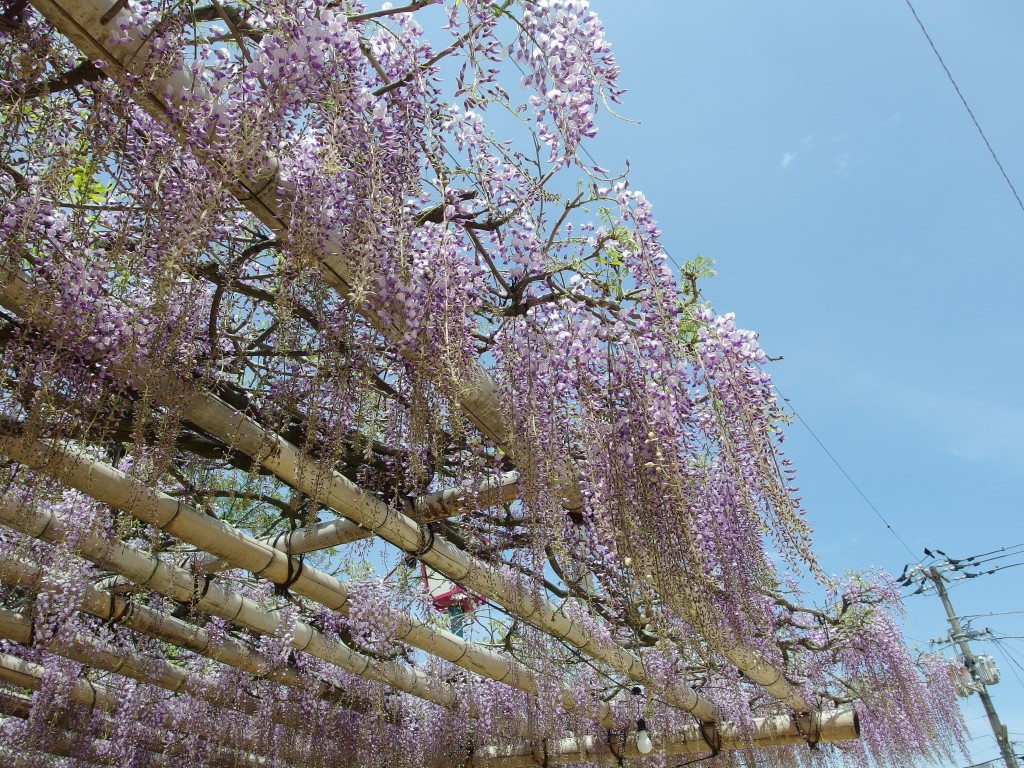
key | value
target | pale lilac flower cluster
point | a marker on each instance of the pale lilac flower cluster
(570, 66)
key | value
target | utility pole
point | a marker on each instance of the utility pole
(960, 638)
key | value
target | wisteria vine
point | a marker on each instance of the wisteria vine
(355, 226)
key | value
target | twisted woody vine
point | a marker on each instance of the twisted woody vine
(350, 414)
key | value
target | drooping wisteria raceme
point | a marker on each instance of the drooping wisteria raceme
(373, 235)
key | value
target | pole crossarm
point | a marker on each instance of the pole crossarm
(960, 638)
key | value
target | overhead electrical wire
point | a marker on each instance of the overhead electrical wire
(839, 466)
(966, 106)
(980, 557)
(987, 615)
(1011, 657)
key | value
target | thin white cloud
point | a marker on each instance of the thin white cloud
(841, 162)
(787, 160)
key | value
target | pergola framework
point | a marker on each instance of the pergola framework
(562, 654)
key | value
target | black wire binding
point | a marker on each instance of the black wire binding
(811, 742)
(712, 736)
(293, 574)
(611, 748)
(115, 617)
(426, 540)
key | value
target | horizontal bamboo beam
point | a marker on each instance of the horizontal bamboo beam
(15, 705)
(783, 730)
(28, 674)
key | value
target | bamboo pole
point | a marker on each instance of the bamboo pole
(338, 492)
(15, 705)
(18, 627)
(782, 730)
(89, 24)
(28, 675)
(179, 584)
(113, 487)
(427, 508)
(117, 609)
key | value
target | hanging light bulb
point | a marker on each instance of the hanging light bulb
(643, 741)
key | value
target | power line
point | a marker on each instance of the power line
(990, 552)
(1010, 657)
(844, 472)
(966, 106)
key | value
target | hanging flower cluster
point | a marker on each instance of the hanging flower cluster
(267, 266)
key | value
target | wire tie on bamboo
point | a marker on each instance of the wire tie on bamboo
(813, 735)
(293, 574)
(115, 617)
(712, 736)
(282, 589)
(544, 746)
(156, 567)
(426, 540)
(207, 578)
(611, 747)
(46, 527)
(177, 511)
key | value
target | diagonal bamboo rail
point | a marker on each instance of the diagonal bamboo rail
(428, 508)
(180, 584)
(29, 675)
(118, 609)
(90, 25)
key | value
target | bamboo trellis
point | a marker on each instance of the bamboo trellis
(88, 25)
(434, 668)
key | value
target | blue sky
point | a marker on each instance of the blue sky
(819, 154)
